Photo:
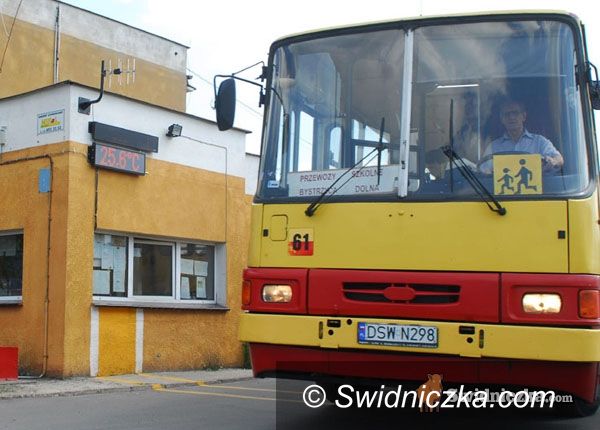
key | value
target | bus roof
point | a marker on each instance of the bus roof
(432, 17)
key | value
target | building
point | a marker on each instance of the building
(121, 244)
(52, 42)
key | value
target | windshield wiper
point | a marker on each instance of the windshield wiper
(312, 208)
(467, 173)
(474, 181)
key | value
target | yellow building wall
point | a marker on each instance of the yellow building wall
(171, 200)
(28, 61)
(25, 208)
(23, 326)
(79, 254)
(180, 340)
(174, 202)
(29, 64)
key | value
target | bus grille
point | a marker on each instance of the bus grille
(401, 293)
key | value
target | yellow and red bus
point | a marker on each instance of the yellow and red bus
(380, 246)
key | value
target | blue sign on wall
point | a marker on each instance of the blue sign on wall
(44, 180)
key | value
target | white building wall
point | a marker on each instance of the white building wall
(201, 145)
(101, 31)
(252, 162)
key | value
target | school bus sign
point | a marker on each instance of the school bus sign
(517, 174)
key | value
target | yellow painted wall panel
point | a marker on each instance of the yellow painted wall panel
(178, 340)
(23, 208)
(172, 201)
(79, 257)
(29, 64)
(116, 346)
(58, 255)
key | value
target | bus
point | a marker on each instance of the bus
(401, 228)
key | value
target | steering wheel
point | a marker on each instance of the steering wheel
(488, 157)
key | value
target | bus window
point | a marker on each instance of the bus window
(305, 142)
(335, 93)
(366, 138)
(476, 69)
(335, 146)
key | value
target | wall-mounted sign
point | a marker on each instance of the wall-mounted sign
(123, 137)
(120, 159)
(49, 122)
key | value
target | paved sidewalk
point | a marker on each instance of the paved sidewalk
(142, 381)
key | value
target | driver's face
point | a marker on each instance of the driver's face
(513, 117)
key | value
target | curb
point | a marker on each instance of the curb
(77, 392)
(135, 386)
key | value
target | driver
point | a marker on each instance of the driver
(517, 138)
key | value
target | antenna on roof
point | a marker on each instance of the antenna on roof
(130, 71)
(120, 70)
(85, 104)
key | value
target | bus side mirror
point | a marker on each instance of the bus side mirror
(595, 94)
(225, 104)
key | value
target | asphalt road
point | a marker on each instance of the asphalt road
(248, 405)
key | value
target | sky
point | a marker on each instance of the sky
(225, 37)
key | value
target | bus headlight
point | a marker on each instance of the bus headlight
(277, 293)
(541, 303)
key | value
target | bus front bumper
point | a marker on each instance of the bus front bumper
(310, 347)
(462, 339)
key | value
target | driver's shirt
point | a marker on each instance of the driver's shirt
(528, 142)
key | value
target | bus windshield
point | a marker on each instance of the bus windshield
(386, 104)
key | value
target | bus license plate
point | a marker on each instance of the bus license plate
(419, 336)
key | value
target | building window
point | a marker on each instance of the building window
(152, 269)
(110, 265)
(11, 265)
(132, 268)
(197, 281)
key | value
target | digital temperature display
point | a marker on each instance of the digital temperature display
(123, 160)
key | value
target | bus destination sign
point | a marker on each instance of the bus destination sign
(120, 159)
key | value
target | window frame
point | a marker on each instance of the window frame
(131, 242)
(218, 267)
(9, 300)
